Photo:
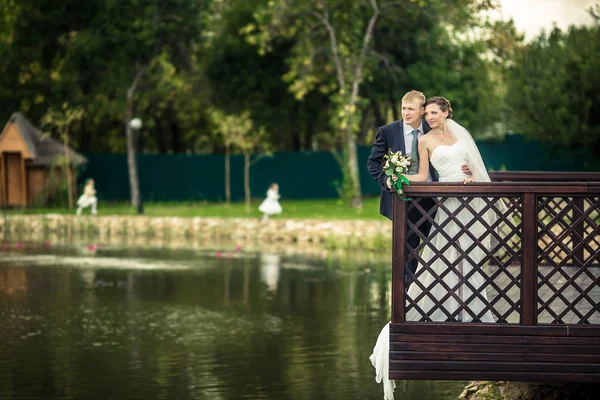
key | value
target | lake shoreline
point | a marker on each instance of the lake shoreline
(308, 235)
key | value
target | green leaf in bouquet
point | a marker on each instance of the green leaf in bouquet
(389, 172)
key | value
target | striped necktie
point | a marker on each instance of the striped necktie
(414, 153)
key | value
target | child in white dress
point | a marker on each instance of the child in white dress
(270, 205)
(88, 198)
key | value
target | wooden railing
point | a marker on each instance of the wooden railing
(531, 176)
(539, 260)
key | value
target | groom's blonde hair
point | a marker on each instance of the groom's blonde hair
(416, 97)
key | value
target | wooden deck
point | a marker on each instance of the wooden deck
(542, 282)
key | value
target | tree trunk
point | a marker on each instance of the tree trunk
(247, 180)
(352, 158)
(362, 133)
(228, 174)
(131, 164)
(350, 138)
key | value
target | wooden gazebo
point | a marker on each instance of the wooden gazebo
(26, 157)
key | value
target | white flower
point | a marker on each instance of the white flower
(398, 169)
(394, 159)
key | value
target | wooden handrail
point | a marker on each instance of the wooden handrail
(425, 189)
(535, 176)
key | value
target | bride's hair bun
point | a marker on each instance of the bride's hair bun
(442, 102)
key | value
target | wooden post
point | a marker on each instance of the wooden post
(399, 214)
(529, 264)
(23, 183)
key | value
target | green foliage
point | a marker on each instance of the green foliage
(554, 86)
(239, 131)
(62, 120)
(291, 65)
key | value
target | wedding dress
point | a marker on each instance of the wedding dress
(448, 161)
(270, 205)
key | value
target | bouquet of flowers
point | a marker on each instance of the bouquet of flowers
(397, 164)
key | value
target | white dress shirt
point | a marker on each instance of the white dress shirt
(408, 139)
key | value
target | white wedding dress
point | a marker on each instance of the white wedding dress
(270, 205)
(448, 161)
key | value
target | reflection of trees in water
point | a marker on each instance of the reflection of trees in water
(313, 336)
(226, 295)
(246, 296)
(13, 281)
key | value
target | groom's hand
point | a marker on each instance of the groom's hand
(389, 183)
(466, 170)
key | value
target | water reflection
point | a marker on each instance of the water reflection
(269, 270)
(13, 282)
(157, 325)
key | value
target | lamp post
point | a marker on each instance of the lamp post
(136, 124)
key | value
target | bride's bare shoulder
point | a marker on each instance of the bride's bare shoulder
(425, 140)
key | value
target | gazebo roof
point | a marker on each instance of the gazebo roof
(43, 149)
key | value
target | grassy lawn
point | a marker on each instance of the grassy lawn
(316, 209)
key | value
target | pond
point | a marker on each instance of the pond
(111, 323)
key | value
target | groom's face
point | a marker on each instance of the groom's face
(412, 112)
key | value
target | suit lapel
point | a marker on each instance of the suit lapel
(400, 137)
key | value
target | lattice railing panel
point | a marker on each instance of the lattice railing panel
(568, 260)
(468, 262)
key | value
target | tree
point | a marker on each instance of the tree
(338, 31)
(242, 79)
(274, 59)
(63, 121)
(253, 144)
(553, 89)
(238, 132)
(226, 126)
(333, 52)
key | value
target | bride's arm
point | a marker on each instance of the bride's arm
(423, 174)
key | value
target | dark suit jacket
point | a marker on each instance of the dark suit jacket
(390, 136)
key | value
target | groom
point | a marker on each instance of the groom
(402, 135)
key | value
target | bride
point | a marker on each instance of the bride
(447, 146)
